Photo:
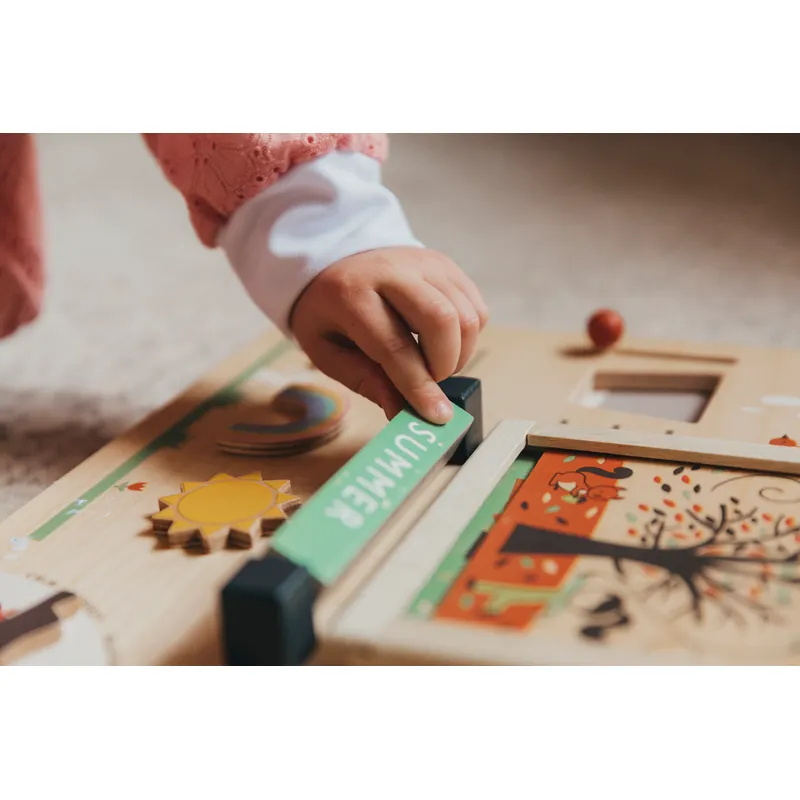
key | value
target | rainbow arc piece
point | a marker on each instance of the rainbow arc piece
(315, 415)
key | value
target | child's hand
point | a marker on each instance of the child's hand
(355, 321)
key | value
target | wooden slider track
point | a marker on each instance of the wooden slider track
(664, 447)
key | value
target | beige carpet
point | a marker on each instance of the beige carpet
(690, 237)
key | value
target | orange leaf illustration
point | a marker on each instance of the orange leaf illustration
(783, 441)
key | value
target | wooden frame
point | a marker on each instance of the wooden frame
(374, 626)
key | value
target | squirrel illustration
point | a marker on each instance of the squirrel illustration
(575, 483)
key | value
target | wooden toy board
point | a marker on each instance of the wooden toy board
(83, 552)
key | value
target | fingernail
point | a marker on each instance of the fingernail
(444, 411)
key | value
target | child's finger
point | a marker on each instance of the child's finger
(381, 334)
(393, 401)
(468, 287)
(469, 320)
(358, 373)
(431, 314)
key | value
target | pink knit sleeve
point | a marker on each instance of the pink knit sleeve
(216, 173)
(21, 269)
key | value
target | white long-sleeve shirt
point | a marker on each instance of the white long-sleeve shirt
(318, 213)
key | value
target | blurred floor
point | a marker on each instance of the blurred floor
(689, 237)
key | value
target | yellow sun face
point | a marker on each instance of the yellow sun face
(223, 510)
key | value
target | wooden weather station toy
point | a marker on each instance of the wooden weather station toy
(596, 499)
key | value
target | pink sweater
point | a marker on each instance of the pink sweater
(215, 173)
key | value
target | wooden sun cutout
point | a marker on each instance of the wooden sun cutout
(223, 510)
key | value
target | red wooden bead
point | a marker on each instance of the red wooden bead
(605, 328)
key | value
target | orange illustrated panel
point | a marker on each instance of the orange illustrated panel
(521, 558)
(653, 556)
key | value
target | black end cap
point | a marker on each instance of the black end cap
(466, 393)
(267, 613)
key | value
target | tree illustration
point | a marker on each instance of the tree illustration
(740, 557)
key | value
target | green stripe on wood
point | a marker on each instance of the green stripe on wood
(327, 533)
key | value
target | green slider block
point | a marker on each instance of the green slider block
(330, 530)
(267, 607)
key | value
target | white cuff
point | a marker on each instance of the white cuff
(315, 215)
